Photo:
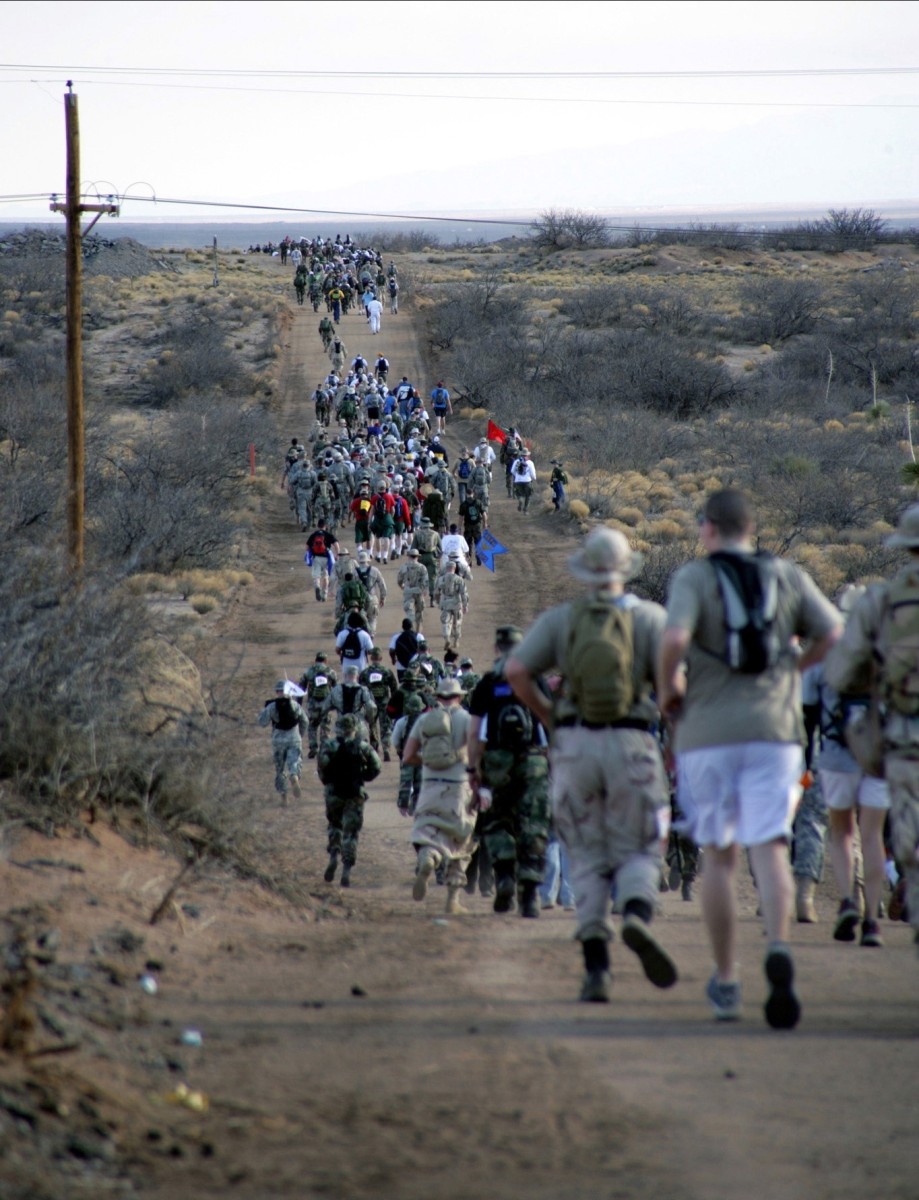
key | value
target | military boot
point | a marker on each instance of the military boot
(346, 874)
(597, 979)
(804, 900)
(505, 886)
(332, 867)
(453, 905)
(426, 860)
(528, 899)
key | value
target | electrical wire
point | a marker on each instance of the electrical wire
(681, 103)
(280, 73)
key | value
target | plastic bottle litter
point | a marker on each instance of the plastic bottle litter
(191, 1037)
(149, 984)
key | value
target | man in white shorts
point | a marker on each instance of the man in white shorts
(738, 735)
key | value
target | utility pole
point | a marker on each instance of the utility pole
(73, 210)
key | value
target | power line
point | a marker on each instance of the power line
(211, 72)
(681, 103)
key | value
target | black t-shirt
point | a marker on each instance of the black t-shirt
(405, 647)
(488, 697)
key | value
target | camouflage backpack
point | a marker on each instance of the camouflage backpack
(437, 749)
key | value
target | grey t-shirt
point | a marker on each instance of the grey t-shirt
(724, 707)
(545, 649)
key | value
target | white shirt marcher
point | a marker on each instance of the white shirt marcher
(374, 314)
(454, 543)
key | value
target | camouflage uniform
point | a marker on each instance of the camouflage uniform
(516, 827)
(346, 763)
(303, 491)
(286, 744)
(375, 586)
(809, 835)
(381, 682)
(427, 542)
(414, 581)
(409, 774)
(352, 700)
(322, 498)
(317, 682)
(468, 679)
(453, 597)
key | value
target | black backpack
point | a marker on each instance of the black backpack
(351, 647)
(379, 506)
(749, 591)
(406, 647)
(284, 716)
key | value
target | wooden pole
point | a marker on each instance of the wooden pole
(74, 210)
(75, 427)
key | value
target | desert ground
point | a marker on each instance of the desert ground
(364, 1046)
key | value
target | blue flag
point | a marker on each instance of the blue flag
(487, 548)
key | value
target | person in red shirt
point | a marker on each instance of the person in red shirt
(361, 509)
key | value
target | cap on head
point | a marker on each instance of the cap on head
(376, 652)
(907, 535)
(413, 551)
(281, 685)
(449, 687)
(350, 671)
(605, 557)
(321, 656)
(464, 663)
(507, 636)
(347, 724)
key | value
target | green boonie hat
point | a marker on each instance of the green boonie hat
(508, 635)
(413, 704)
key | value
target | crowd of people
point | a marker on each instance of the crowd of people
(553, 776)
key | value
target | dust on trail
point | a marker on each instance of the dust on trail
(368, 1048)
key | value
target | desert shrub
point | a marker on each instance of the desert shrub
(555, 229)
(165, 500)
(777, 309)
(80, 725)
(660, 562)
(674, 379)
(199, 359)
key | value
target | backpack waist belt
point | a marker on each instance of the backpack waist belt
(623, 723)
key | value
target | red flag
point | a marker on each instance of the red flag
(495, 433)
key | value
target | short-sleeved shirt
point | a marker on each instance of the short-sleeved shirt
(724, 707)
(545, 648)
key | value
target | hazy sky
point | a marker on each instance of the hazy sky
(371, 141)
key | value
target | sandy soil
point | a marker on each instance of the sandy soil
(365, 1046)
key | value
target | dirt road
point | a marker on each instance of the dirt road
(373, 1049)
